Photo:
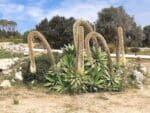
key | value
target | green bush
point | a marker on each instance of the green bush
(14, 40)
(65, 79)
(42, 64)
(135, 50)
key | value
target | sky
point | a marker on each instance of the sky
(28, 13)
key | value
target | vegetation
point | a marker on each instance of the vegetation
(146, 31)
(7, 29)
(15, 40)
(32, 35)
(108, 21)
(8, 54)
(95, 78)
(42, 66)
(135, 50)
(58, 31)
(80, 69)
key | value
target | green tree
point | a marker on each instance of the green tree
(58, 31)
(110, 18)
(146, 31)
(8, 29)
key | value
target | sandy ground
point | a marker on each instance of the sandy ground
(131, 101)
(38, 101)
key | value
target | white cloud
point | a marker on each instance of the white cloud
(33, 11)
(76, 8)
(11, 8)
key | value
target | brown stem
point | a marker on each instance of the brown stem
(80, 51)
(104, 44)
(32, 35)
(120, 47)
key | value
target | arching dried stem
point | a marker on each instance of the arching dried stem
(37, 34)
(104, 44)
(80, 51)
(78, 32)
(120, 48)
(86, 25)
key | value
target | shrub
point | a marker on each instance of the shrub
(43, 65)
(135, 50)
(16, 40)
(65, 79)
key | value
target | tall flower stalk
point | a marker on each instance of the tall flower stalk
(104, 44)
(36, 34)
(78, 33)
(120, 59)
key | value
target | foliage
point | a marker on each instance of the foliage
(7, 54)
(7, 29)
(110, 18)
(58, 31)
(43, 65)
(135, 50)
(146, 31)
(65, 79)
(24, 36)
(15, 40)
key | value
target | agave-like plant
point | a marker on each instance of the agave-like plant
(104, 44)
(37, 34)
(120, 48)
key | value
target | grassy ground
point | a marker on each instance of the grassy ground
(14, 39)
(147, 52)
(7, 54)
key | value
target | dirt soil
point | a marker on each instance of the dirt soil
(131, 101)
(23, 100)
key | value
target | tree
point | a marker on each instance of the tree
(58, 31)
(110, 18)
(146, 31)
(8, 29)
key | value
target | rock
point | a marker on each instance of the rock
(5, 84)
(142, 69)
(18, 76)
(7, 72)
(8, 63)
(13, 80)
(120, 72)
(139, 77)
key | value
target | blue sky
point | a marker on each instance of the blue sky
(28, 13)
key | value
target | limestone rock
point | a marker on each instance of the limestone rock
(142, 69)
(18, 76)
(5, 84)
(139, 77)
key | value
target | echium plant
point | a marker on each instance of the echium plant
(120, 52)
(78, 32)
(36, 34)
(104, 44)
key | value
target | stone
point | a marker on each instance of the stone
(8, 63)
(7, 72)
(18, 76)
(139, 77)
(142, 69)
(5, 84)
